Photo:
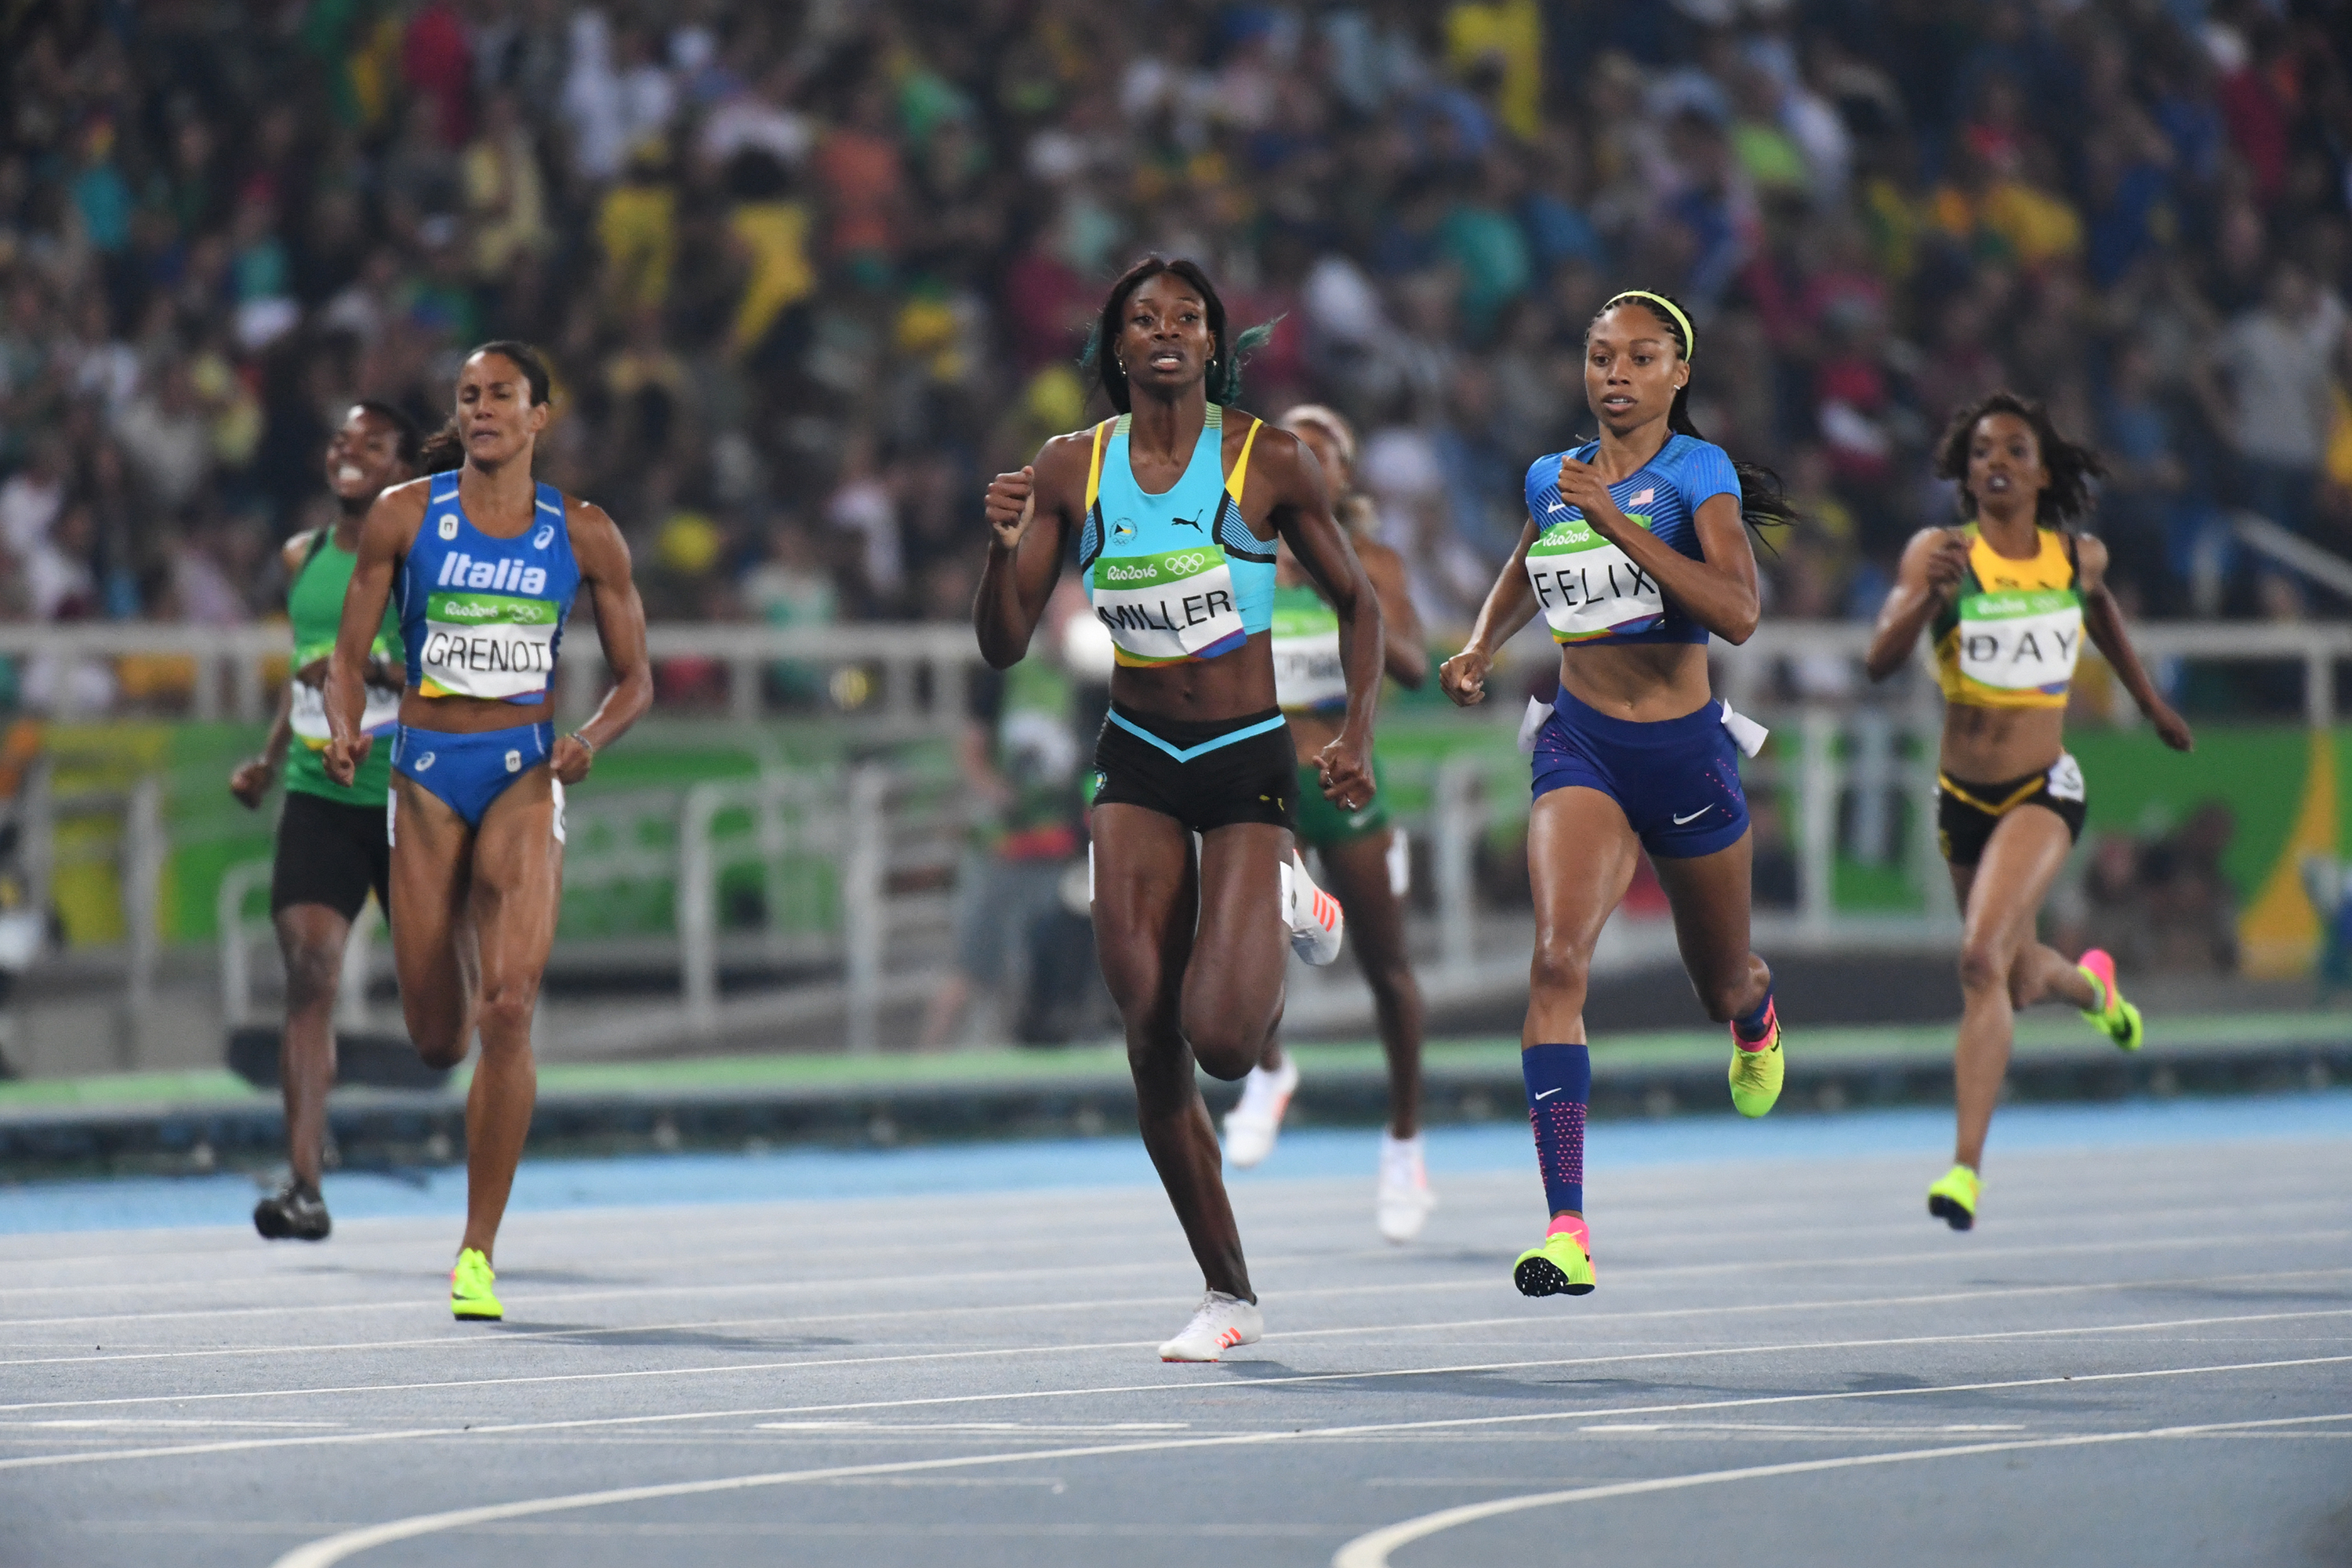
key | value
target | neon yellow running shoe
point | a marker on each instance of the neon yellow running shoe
(2113, 1018)
(470, 1297)
(1756, 1075)
(1953, 1199)
(1560, 1266)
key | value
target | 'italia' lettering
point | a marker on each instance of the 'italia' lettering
(453, 569)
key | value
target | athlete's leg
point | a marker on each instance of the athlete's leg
(1359, 873)
(1233, 990)
(518, 889)
(1709, 896)
(2001, 900)
(312, 938)
(1146, 904)
(432, 936)
(1581, 857)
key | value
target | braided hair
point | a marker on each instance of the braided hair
(1763, 503)
(2071, 466)
(1224, 357)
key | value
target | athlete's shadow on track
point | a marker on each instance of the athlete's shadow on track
(594, 1336)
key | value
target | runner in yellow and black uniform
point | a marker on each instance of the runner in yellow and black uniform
(2010, 597)
(1363, 856)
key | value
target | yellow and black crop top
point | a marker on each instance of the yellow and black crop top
(2012, 635)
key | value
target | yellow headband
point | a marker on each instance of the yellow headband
(1690, 339)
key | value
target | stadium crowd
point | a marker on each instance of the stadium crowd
(810, 271)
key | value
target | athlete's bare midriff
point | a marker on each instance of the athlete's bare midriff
(1202, 691)
(1989, 745)
(1646, 683)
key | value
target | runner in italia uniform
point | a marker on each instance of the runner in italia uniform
(1174, 507)
(331, 849)
(1634, 552)
(483, 565)
(2006, 600)
(1363, 855)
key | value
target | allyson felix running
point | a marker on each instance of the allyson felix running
(1635, 549)
(2006, 598)
(1175, 507)
(484, 564)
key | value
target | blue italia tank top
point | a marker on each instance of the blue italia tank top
(483, 616)
(1178, 576)
(1589, 589)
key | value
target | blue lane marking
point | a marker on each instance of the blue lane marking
(1921, 1135)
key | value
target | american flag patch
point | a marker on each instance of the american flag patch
(1642, 498)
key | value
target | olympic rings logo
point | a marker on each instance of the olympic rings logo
(1191, 560)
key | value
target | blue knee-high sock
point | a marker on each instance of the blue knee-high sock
(1560, 1082)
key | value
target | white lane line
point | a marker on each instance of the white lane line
(1060, 1238)
(472, 1340)
(1741, 1308)
(1621, 1278)
(751, 1367)
(1548, 1363)
(336, 1549)
(1373, 1550)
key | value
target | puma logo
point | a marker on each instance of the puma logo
(1191, 522)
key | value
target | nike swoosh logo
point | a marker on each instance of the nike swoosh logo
(1694, 816)
(1549, 1091)
(1553, 508)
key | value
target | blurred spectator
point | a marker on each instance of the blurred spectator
(845, 257)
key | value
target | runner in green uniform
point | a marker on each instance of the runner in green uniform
(1363, 856)
(331, 848)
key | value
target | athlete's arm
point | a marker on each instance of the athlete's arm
(2103, 619)
(1025, 559)
(1302, 516)
(249, 781)
(603, 557)
(252, 778)
(1510, 604)
(1402, 651)
(389, 528)
(1717, 591)
(1923, 583)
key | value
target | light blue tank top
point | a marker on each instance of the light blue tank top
(1179, 575)
(483, 616)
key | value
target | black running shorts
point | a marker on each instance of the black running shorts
(1966, 814)
(1204, 776)
(330, 853)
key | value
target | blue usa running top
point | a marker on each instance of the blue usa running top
(482, 615)
(1178, 576)
(1589, 590)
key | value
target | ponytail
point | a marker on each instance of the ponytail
(1101, 361)
(1763, 500)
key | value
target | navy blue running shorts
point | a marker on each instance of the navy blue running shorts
(1677, 781)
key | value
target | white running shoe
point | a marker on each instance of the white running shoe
(1405, 1200)
(1222, 1322)
(1317, 921)
(1256, 1120)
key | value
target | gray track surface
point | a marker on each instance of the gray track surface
(2143, 1357)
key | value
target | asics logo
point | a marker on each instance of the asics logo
(1694, 816)
(538, 541)
(422, 764)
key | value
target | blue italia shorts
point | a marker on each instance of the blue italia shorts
(1676, 781)
(469, 771)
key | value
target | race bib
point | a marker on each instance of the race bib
(307, 714)
(1587, 587)
(491, 646)
(2022, 640)
(1164, 608)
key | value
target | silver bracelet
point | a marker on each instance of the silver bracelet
(582, 737)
